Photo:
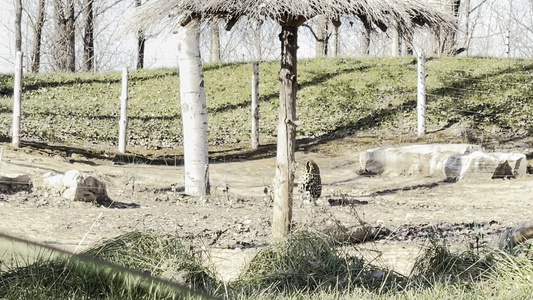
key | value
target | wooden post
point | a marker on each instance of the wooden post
(17, 100)
(421, 99)
(123, 123)
(285, 162)
(255, 105)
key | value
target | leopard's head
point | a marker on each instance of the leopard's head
(311, 167)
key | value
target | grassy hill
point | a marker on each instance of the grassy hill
(367, 98)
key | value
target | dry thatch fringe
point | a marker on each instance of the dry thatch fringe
(406, 12)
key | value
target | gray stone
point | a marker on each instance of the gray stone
(15, 182)
(428, 160)
(76, 186)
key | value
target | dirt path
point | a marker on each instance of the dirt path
(234, 225)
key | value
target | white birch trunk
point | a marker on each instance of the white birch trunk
(193, 110)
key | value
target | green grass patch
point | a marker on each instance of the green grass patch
(337, 97)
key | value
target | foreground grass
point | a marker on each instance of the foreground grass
(309, 265)
(338, 97)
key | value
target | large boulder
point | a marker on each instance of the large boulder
(451, 162)
(428, 160)
(482, 166)
(77, 186)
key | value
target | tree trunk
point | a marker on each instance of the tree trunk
(463, 39)
(140, 49)
(367, 30)
(71, 36)
(285, 162)
(140, 43)
(322, 36)
(258, 48)
(335, 38)
(64, 36)
(18, 25)
(395, 37)
(193, 110)
(37, 37)
(215, 40)
(88, 37)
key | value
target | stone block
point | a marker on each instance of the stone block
(14, 182)
(427, 160)
(483, 166)
(77, 186)
(510, 165)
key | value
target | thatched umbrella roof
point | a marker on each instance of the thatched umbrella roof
(405, 12)
(290, 14)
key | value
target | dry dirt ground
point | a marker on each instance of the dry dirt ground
(235, 222)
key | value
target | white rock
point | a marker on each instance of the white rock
(76, 186)
(510, 165)
(484, 166)
(475, 165)
(426, 160)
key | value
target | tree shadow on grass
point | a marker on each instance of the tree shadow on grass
(316, 78)
(33, 83)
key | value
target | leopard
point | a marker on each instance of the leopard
(310, 184)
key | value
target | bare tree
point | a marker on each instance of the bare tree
(63, 52)
(18, 25)
(141, 41)
(37, 37)
(335, 39)
(215, 40)
(463, 36)
(88, 36)
(322, 36)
